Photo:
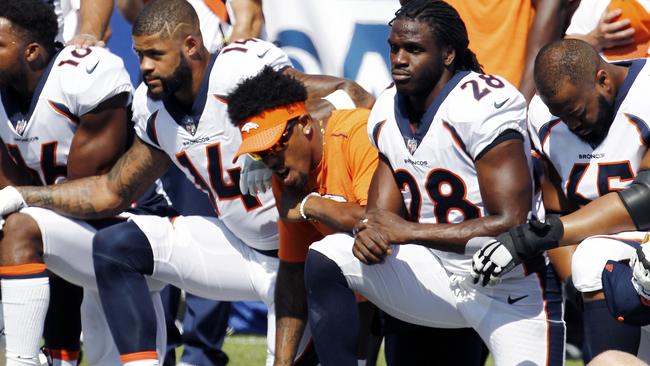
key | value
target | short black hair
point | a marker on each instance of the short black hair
(266, 90)
(34, 20)
(447, 27)
(161, 15)
(567, 59)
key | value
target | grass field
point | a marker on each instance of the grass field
(244, 350)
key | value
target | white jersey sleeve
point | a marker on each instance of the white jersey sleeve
(382, 111)
(234, 63)
(539, 118)
(144, 121)
(500, 110)
(89, 76)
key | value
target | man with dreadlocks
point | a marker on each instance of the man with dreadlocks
(453, 171)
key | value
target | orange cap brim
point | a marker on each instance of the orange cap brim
(263, 131)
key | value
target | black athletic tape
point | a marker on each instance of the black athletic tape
(636, 198)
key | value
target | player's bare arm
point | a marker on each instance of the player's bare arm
(104, 195)
(319, 86)
(290, 311)
(556, 202)
(547, 26)
(505, 186)
(100, 139)
(249, 19)
(370, 245)
(94, 16)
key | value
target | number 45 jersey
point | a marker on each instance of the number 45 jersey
(587, 171)
(434, 165)
(75, 82)
(203, 142)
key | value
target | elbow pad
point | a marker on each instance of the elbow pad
(636, 199)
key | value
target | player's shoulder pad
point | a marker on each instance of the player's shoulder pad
(145, 111)
(382, 111)
(244, 59)
(538, 114)
(484, 97)
(88, 76)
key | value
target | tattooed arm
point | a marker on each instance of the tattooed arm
(103, 195)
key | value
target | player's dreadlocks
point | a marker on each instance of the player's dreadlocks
(266, 90)
(567, 59)
(447, 28)
(166, 17)
(34, 20)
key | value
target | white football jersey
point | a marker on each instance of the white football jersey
(204, 143)
(74, 83)
(587, 171)
(434, 165)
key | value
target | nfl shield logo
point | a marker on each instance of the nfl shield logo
(412, 145)
(189, 125)
(20, 126)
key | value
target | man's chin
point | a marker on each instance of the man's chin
(155, 95)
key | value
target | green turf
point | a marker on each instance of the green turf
(245, 350)
(250, 350)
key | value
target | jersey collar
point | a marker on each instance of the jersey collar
(403, 123)
(634, 68)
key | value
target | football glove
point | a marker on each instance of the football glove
(519, 244)
(255, 177)
(641, 269)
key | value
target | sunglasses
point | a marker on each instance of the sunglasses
(279, 146)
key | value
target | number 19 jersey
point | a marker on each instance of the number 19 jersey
(434, 165)
(75, 82)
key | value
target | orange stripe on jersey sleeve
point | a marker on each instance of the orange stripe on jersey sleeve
(62, 354)
(137, 356)
(23, 269)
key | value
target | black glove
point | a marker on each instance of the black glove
(528, 240)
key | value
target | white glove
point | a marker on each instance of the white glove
(490, 261)
(641, 270)
(255, 177)
(10, 201)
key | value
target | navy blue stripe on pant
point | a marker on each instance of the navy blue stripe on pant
(553, 303)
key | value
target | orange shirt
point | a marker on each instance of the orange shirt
(348, 163)
(498, 34)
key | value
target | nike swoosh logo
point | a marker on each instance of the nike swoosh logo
(90, 68)
(263, 52)
(512, 301)
(499, 105)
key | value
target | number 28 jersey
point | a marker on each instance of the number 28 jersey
(587, 171)
(434, 166)
(75, 82)
(203, 143)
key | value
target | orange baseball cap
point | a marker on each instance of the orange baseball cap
(264, 130)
